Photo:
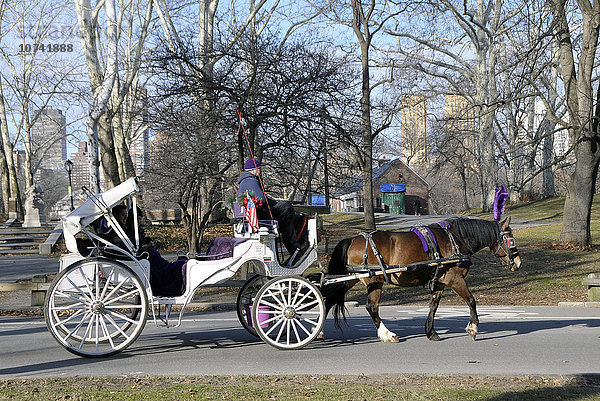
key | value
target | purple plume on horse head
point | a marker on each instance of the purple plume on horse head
(499, 201)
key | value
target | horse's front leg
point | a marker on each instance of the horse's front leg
(373, 298)
(436, 295)
(474, 319)
(459, 285)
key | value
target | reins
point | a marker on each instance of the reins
(255, 166)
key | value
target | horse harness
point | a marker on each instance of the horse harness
(430, 246)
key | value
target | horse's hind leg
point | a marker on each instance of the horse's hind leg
(436, 295)
(373, 298)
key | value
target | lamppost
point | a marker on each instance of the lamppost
(69, 168)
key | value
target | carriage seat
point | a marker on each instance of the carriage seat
(239, 214)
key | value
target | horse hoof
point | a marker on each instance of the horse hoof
(321, 336)
(472, 330)
(434, 337)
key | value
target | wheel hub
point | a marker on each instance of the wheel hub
(97, 308)
(289, 312)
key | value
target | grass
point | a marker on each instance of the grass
(315, 388)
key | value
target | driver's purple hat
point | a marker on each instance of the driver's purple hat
(251, 164)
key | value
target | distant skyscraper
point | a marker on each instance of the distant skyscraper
(49, 139)
(413, 118)
(155, 146)
(81, 166)
(460, 122)
(139, 147)
(561, 137)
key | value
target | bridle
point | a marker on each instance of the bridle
(509, 246)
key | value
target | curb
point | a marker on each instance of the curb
(580, 304)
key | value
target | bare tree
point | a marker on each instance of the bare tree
(577, 63)
(464, 55)
(34, 75)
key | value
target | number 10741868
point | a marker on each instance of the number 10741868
(46, 47)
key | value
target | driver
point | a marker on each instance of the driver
(283, 211)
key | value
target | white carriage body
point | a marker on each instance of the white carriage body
(259, 248)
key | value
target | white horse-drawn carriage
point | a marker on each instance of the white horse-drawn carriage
(100, 301)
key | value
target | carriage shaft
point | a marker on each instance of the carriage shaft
(367, 271)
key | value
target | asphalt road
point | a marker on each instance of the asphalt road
(512, 341)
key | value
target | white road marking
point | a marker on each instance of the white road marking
(487, 313)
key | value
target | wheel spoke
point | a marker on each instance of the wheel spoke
(76, 328)
(122, 316)
(87, 283)
(114, 290)
(75, 286)
(280, 330)
(298, 292)
(106, 284)
(120, 297)
(274, 296)
(287, 331)
(88, 330)
(299, 323)
(294, 323)
(96, 281)
(306, 295)
(278, 320)
(309, 305)
(123, 306)
(277, 308)
(67, 320)
(111, 320)
(106, 332)
(72, 307)
(67, 295)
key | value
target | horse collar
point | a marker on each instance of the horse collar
(447, 228)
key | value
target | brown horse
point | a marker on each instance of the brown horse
(460, 235)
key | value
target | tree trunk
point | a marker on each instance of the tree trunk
(14, 197)
(5, 184)
(548, 188)
(366, 157)
(102, 85)
(578, 204)
(581, 188)
(530, 151)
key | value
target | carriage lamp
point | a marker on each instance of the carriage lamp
(69, 168)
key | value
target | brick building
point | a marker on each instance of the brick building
(349, 197)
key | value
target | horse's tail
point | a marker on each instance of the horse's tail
(335, 294)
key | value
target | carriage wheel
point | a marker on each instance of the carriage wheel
(245, 299)
(96, 307)
(288, 312)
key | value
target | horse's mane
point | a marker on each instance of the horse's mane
(476, 233)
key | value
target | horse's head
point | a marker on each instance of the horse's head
(506, 247)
